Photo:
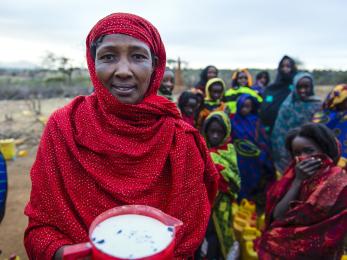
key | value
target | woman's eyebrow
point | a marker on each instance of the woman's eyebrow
(111, 47)
(139, 48)
(106, 47)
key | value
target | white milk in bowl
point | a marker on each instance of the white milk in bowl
(132, 236)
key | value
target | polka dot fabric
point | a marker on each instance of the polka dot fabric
(97, 153)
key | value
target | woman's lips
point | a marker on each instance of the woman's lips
(123, 90)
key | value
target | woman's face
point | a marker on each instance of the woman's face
(190, 107)
(304, 147)
(242, 79)
(246, 108)
(215, 133)
(168, 82)
(124, 66)
(304, 88)
(216, 91)
(211, 73)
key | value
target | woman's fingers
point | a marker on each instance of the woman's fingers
(308, 167)
(311, 167)
(310, 162)
(312, 170)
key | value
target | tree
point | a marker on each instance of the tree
(59, 63)
(49, 61)
(66, 68)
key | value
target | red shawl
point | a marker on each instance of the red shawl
(315, 225)
(97, 153)
(189, 119)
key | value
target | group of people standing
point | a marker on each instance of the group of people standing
(245, 127)
(128, 143)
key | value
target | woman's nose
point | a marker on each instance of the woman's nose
(122, 69)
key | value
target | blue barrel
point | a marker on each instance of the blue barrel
(3, 186)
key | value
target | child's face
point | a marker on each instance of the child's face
(242, 79)
(304, 88)
(262, 81)
(304, 147)
(216, 91)
(286, 67)
(215, 133)
(168, 81)
(246, 108)
(211, 73)
(190, 106)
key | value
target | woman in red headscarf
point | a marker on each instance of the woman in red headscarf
(121, 145)
(306, 211)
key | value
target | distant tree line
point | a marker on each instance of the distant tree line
(58, 78)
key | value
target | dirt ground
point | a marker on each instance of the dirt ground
(23, 125)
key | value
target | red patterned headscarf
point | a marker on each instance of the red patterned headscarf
(97, 153)
(139, 28)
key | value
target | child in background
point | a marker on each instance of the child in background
(188, 104)
(215, 89)
(306, 210)
(219, 235)
(200, 98)
(262, 79)
(206, 74)
(167, 84)
(334, 116)
(297, 109)
(253, 152)
(240, 84)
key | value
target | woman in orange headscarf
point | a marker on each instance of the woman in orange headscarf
(241, 84)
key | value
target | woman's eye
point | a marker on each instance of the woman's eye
(309, 151)
(107, 57)
(139, 57)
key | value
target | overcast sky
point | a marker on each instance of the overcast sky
(225, 33)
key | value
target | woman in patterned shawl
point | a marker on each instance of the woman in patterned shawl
(296, 110)
(306, 211)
